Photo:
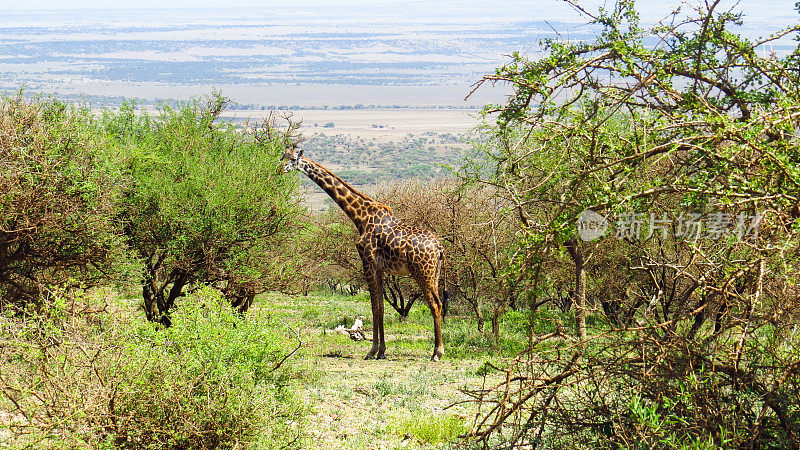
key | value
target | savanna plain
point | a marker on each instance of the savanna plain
(167, 282)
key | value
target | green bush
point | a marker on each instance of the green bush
(211, 380)
(673, 342)
(58, 202)
(194, 199)
(207, 203)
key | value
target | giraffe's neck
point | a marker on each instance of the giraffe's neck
(358, 207)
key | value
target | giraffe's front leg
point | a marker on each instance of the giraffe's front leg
(376, 329)
(378, 350)
(375, 282)
(379, 321)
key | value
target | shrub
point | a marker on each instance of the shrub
(78, 377)
(58, 202)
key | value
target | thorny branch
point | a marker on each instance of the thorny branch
(691, 336)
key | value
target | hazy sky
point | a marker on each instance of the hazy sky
(643, 5)
(62, 4)
(322, 4)
(69, 4)
(758, 10)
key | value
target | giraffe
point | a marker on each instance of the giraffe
(385, 245)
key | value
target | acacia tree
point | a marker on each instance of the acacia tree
(685, 134)
(476, 232)
(58, 203)
(208, 203)
(472, 224)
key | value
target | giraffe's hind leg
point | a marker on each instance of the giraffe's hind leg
(429, 287)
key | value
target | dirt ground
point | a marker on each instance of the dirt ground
(368, 404)
(361, 403)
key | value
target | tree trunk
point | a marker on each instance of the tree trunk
(576, 253)
(473, 302)
(496, 326)
(157, 301)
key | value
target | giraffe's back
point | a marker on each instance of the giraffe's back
(403, 249)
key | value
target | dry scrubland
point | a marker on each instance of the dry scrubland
(378, 128)
(381, 124)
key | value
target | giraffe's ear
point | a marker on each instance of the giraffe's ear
(299, 154)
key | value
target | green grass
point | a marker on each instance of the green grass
(371, 404)
(431, 429)
(414, 336)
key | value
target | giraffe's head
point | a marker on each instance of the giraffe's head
(292, 158)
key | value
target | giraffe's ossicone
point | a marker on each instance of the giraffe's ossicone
(386, 246)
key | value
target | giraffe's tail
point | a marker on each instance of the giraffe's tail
(443, 281)
(445, 301)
